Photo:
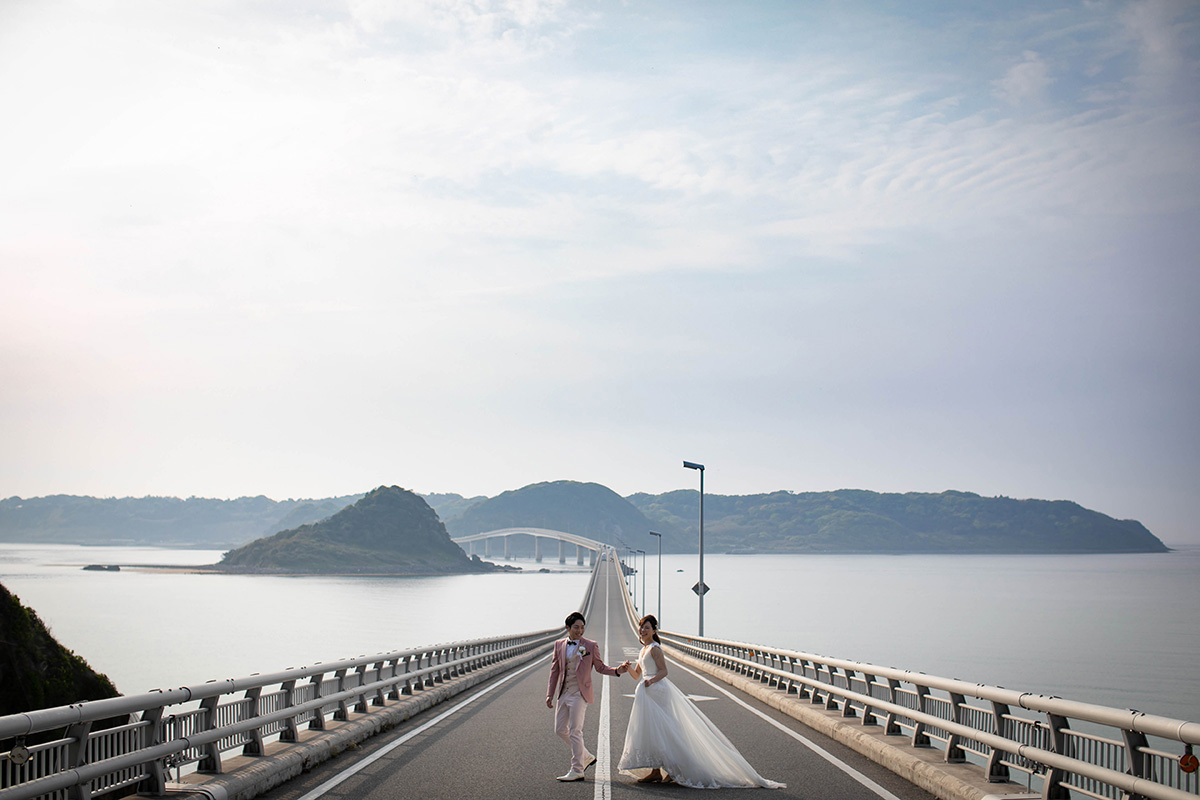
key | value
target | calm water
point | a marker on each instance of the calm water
(1117, 630)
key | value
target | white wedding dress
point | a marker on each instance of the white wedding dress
(667, 731)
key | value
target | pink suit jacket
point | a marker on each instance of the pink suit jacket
(590, 660)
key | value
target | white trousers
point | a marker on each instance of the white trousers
(568, 724)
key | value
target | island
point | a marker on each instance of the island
(390, 531)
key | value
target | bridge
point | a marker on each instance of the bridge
(468, 720)
(582, 543)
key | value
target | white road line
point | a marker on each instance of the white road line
(603, 778)
(366, 762)
(825, 754)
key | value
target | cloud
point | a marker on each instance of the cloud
(472, 214)
(1025, 82)
(1161, 31)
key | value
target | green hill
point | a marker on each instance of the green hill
(586, 509)
(314, 511)
(390, 531)
(162, 521)
(856, 521)
(845, 521)
(448, 506)
(35, 670)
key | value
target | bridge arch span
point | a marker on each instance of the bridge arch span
(540, 535)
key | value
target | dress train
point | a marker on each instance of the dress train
(668, 732)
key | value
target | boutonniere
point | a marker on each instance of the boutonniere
(582, 652)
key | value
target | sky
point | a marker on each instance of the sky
(303, 249)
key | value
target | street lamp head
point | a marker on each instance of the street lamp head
(656, 533)
(691, 465)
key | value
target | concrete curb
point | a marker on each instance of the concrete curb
(249, 776)
(923, 767)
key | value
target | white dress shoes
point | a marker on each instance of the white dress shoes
(571, 776)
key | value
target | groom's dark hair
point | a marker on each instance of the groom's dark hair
(574, 617)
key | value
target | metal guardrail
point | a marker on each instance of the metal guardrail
(163, 730)
(162, 733)
(1127, 758)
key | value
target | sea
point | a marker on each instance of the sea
(1117, 630)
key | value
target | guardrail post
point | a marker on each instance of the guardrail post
(380, 698)
(156, 782)
(919, 737)
(394, 690)
(802, 690)
(254, 747)
(1135, 758)
(77, 757)
(343, 711)
(814, 689)
(847, 706)
(997, 770)
(831, 699)
(955, 753)
(868, 717)
(431, 678)
(291, 731)
(360, 703)
(408, 682)
(890, 726)
(210, 761)
(1053, 789)
(317, 723)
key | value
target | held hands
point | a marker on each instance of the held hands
(623, 667)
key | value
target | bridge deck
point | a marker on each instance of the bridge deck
(497, 740)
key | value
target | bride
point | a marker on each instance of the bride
(668, 738)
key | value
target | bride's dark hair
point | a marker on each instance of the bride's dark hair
(653, 620)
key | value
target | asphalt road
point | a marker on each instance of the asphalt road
(497, 741)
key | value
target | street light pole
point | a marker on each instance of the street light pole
(633, 566)
(643, 552)
(700, 588)
(659, 535)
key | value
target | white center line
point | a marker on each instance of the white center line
(603, 779)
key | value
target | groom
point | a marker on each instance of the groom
(571, 686)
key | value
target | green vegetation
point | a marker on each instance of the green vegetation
(35, 670)
(586, 509)
(845, 521)
(451, 505)
(390, 531)
(856, 521)
(162, 521)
